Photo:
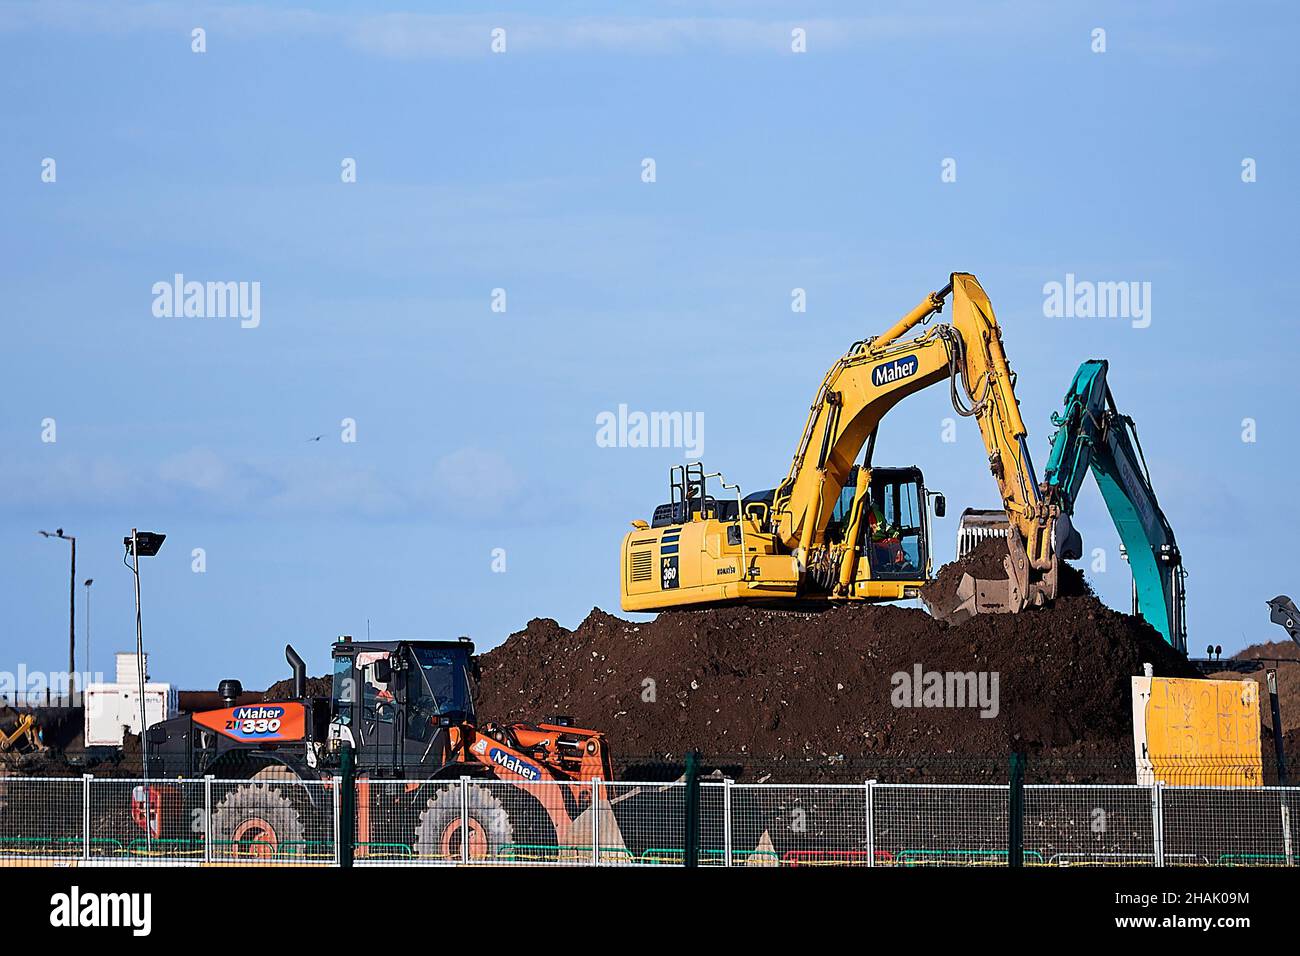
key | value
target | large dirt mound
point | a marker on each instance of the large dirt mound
(314, 687)
(776, 685)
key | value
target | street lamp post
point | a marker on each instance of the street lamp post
(72, 614)
(88, 582)
(140, 543)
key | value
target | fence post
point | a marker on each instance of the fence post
(1276, 707)
(336, 812)
(871, 822)
(1286, 832)
(464, 819)
(692, 815)
(346, 802)
(1158, 823)
(1016, 814)
(85, 815)
(595, 821)
(207, 818)
(726, 820)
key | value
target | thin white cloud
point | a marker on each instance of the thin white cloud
(436, 36)
(471, 483)
(475, 479)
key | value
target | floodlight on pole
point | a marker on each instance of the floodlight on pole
(87, 583)
(72, 612)
(139, 543)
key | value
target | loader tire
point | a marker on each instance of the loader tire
(440, 835)
(256, 822)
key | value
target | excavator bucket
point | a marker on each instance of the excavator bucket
(982, 596)
(976, 525)
(985, 596)
(1282, 610)
(1007, 594)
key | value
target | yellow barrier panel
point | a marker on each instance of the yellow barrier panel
(1189, 732)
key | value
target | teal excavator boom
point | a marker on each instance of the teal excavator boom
(1093, 436)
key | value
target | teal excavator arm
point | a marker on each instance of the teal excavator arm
(1093, 436)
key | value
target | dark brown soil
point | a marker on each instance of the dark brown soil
(780, 686)
(283, 690)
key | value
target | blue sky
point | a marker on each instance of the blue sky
(522, 171)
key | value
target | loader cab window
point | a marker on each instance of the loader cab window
(439, 683)
(377, 701)
(344, 689)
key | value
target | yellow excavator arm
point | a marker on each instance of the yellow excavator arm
(876, 374)
(709, 553)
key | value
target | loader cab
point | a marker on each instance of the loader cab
(397, 700)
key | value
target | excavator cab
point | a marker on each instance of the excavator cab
(901, 549)
(894, 532)
(895, 537)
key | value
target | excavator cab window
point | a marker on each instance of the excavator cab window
(893, 534)
(838, 526)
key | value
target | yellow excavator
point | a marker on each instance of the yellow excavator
(839, 530)
(19, 734)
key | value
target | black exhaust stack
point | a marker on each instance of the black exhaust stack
(299, 672)
(229, 691)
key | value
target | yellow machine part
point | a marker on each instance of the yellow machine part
(694, 563)
(22, 736)
(1189, 732)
